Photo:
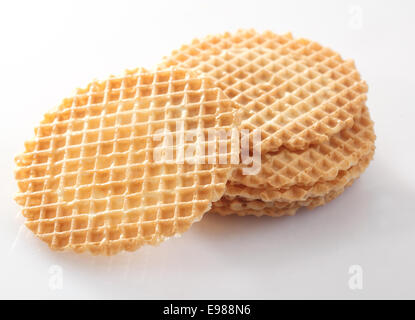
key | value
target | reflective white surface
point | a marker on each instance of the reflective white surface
(49, 48)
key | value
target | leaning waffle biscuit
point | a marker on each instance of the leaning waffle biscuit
(299, 193)
(89, 180)
(247, 207)
(294, 91)
(321, 162)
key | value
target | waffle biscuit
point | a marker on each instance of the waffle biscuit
(321, 162)
(294, 91)
(270, 212)
(89, 179)
(299, 193)
(246, 207)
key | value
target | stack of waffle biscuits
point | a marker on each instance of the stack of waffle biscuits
(90, 180)
(309, 105)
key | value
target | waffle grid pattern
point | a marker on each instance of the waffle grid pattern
(88, 179)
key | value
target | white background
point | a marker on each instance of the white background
(49, 48)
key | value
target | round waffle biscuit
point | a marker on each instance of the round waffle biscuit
(247, 207)
(300, 193)
(321, 162)
(89, 179)
(294, 91)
